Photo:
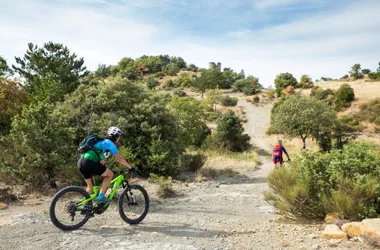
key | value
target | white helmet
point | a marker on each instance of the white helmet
(114, 131)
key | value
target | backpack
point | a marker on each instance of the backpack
(88, 143)
(277, 150)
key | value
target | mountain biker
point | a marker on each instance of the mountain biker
(277, 153)
(93, 162)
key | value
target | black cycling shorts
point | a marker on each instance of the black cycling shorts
(89, 168)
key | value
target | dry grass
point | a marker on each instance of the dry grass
(364, 90)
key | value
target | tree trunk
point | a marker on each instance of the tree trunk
(303, 138)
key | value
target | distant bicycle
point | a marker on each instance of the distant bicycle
(72, 206)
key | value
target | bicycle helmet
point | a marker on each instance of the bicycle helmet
(114, 131)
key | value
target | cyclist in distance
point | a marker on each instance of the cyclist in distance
(92, 162)
(277, 153)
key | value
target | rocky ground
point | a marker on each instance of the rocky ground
(226, 213)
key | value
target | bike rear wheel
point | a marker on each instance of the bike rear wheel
(65, 211)
(133, 204)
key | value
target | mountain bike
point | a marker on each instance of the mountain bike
(72, 207)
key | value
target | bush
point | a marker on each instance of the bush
(159, 75)
(283, 80)
(248, 86)
(228, 101)
(192, 162)
(305, 82)
(344, 96)
(212, 116)
(370, 111)
(165, 189)
(168, 84)
(256, 100)
(270, 94)
(151, 83)
(365, 71)
(289, 90)
(355, 72)
(344, 77)
(229, 133)
(179, 92)
(373, 75)
(342, 182)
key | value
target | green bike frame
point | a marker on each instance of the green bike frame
(116, 182)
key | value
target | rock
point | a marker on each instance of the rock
(352, 228)
(331, 218)
(370, 229)
(333, 232)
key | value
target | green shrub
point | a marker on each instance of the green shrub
(192, 162)
(344, 96)
(373, 75)
(168, 84)
(344, 77)
(365, 71)
(284, 80)
(248, 86)
(355, 72)
(151, 83)
(270, 94)
(256, 100)
(229, 134)
(179, 92)
(212, 116)
(342, 182)
(165, 189)
(228, 101)
(159, 75)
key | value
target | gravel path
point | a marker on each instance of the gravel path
(227, 213)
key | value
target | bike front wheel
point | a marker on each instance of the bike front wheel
(67, 212)
(133, 204)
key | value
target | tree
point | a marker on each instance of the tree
(229, 133)
(127, 68)
(4, 68)
(37, 151)
(230, 77)
(151, 140)
(178, 61)
(302, 117)
(283, 80)
(104, 71)
(171, 69)
(190, 116)
(305, 82)
(53, 60)
(248, 86)
(13, 96)
(355, 71)
(192, 67)
(210, 79)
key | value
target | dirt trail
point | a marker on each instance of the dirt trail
(227, 213)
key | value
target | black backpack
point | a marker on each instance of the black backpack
(88, 143)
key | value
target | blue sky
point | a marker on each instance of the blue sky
(263, 37)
